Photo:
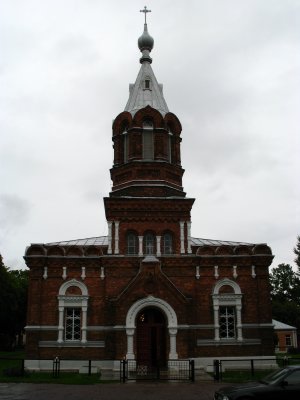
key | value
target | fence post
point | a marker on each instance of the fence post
(192, 367)
(56, 367)
(123, 363)
(252, 367)
(23, 367)
(216, 370)
(90, 367)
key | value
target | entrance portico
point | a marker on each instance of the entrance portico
(167, 310)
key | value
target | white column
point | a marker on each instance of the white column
(102, 273)
(130, 354)
(83, 276)
(61, 324)
(45, 276)
(216, 272)
(158, 250)
(173, 353)
(188, 225)
(234, 272)
(140, 245)
(109, 224)
(83, 325)
(253, 273)
(197, 272)
(64, 274)
(117, 237)
(216, 320)
(182, 248)
(239, 323)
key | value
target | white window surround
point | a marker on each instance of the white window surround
(227, 299)
(76, 301)
(169, 312)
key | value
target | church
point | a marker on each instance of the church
(148, 291)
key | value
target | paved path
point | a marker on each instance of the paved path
(111, 391)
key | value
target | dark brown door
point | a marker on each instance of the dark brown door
(151, 338)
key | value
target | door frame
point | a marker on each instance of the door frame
(172, 325)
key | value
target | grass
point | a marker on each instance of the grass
(13, 360)
(232, 376)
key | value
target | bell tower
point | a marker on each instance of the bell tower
(147, 210)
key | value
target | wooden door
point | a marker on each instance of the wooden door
(151, 338)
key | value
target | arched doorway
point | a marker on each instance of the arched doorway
(151, 333)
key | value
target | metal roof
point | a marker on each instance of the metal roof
(140, 97)
(212, 242)
(281, 326)
(93, 241)
(103, 241)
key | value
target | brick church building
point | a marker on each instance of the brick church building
(147, 291)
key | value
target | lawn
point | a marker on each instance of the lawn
(11, 369)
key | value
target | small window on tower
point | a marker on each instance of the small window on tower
(147, 83)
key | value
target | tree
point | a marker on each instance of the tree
(13, 303)
(297, 252)
(285, 283)
(285, 292)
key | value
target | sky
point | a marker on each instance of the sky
(231, 73)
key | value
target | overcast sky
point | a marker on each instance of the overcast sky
(231, 73)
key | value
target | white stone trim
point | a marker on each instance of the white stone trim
(109, 237)
(117, 223)
(72, 301)
(227, 299)
(132, 313)
(182, 247)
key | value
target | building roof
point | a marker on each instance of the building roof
(281, 326)
(103, 241)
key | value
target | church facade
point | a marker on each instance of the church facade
(147, 291)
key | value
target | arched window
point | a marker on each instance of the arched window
(149, 244)
(132, 243)
(148, 142)
(72, 305)
(167, 243)
(227, 303)
(124, 133)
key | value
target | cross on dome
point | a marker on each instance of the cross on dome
(145, 11)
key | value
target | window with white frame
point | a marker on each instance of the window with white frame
(227, 322)
(288, 340)
(72, 324)
(72, 306)
(167, 243)
(149, 244)
(132, 243)
(227, 304)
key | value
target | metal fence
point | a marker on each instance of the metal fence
(251, 365)
(175, 370)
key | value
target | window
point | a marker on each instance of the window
(72, 324)
(167, 243)
(132, 243)
(227, 322)
(288, 340)
(149, 244)
(72, 305)
(227, 305)
(148, 144)
(147, 83)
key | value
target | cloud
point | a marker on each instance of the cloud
(14, 212)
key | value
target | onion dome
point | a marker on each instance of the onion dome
(145, 43)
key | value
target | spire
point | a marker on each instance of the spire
(145, 42)
(146, 90)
